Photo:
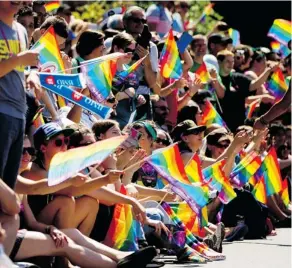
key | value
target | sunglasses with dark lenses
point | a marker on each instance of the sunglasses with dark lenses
(129, 50)
(137, 20)
(29, 150)
(111, 100)
(162, 141)
(223, 146)
(61, 142)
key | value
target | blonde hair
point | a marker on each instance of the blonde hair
(224, 53)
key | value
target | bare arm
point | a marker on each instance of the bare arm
(8, 200)
(6, 66)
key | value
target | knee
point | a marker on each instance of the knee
(10, 223)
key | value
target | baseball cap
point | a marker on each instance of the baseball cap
(48, 131)
(186, 127)
(219, 39)
(217, 136)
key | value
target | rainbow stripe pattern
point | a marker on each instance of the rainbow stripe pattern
(99, 77)
(193, 170)
(132, 68)
(38, 119)
(271, 171)
(251, 108)
(207, 11)
(284, 192)
(169, 165)
(235, 35)
(66, 164)
(171, 66)
(277, 85)
(211, 116)
(281, 31)
(52, 5)
(122, 233)
(277, 47)
(203, 73)
(246, 168)
(260, 191)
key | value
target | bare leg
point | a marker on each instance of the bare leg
(10, 224)
(273, 206)
(87, 242)
(86, 209)
(38, 244)
(59, 212)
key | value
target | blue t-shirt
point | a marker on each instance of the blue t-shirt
(12, 93)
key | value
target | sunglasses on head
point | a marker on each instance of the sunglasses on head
(61, 142)
(29, 150)
(137, 20)
(162, 141)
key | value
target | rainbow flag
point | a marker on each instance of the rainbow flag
(132, 68)
(211, 116)
(193, 170)
(203, 73)
(284, 192)
(169, 165)
(277, 47)
(277, 85)
(52, 5)
(260, 192)
(235, 35)
(281, 31)
(251, 108)
(271, 171)
(122, 233)
(207, 11)
(245, 169)
(66, 164)
(99, 77)
(171, 66)
(38, 119)
(50, 60)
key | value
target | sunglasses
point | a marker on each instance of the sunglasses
(61, 142)
(29, 150)
(137, 20)
(111, 100)
(129, 50)
(162, 141)
(223, 146)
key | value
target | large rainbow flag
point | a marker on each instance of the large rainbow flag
(50, 60)
(277, 85)
(281, 31)
(203, 73)
(67, 164)
(169, 165)
(211, 116)
(52, 5)
(122, 233)
(99, 77)
(171, 66)
(245, 169)
(193, 170)
(271, 172)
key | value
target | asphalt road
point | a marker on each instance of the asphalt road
(273, 252)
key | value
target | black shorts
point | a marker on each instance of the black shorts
(19, 238)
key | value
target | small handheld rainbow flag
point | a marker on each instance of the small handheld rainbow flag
(50, 60)
(260, 192)
(211, 116)
(52, 5)
(285, 192)
(251, 108)
(132, 68)
(171, 66)
(271, 171)
(38, 119)
(99, 77)
(235, 35)
(66, 164)
(281, 31)
(122, 233)
(207, 11)
(277, 84)
(203, 73)
(277, 47)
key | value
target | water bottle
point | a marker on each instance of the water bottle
(5, 262)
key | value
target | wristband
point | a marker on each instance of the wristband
(48, 229)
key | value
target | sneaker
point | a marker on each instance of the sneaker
(238, 233)
(220, 234)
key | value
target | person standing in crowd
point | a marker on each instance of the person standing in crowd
(198, 50)
(13, 58)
